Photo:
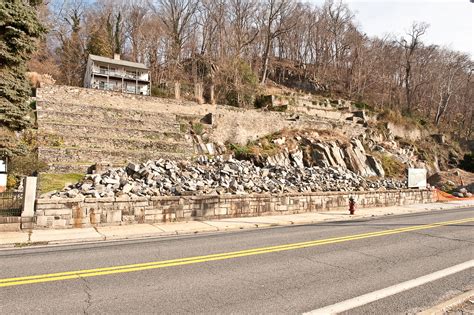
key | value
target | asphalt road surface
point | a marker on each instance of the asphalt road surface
(294, 269)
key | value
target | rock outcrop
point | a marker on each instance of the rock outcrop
(347, 156)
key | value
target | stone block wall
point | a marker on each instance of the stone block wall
(69, 213)
(79, 127)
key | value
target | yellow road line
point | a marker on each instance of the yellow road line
(213, 257)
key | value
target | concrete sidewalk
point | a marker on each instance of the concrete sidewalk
(137, 231)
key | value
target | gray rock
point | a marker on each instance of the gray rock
(127, 188)
(133, 167)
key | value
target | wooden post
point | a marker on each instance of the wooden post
(198, 93)
(212, 96)
(177, 90)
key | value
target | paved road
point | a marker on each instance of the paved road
(318, 265)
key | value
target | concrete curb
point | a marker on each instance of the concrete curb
(440, 309)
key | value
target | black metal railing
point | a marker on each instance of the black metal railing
(11, 204)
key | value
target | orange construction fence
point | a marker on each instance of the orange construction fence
(444, 196)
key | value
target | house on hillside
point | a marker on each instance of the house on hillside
(117, 75)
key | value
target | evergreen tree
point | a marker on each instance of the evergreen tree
(100, 41)
(118, 31)
(98, 44)
(19, 30)
(71, 52)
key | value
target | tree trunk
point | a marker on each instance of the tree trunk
(265, 61)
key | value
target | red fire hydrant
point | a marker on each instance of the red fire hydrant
(351, 205)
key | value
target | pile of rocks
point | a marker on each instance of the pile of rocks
(464, 192)
(218, 176)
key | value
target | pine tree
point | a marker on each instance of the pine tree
(98, 44)
(19, 30)
(71, 52)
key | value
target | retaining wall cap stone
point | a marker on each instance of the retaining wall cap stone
(234, 197)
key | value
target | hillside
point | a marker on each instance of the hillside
(80, 130)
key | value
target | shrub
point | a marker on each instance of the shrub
(12, 181)
(392, 166)
(159, 91)
(26, 165)
(237, 84)
(362, 105)
(198, 128)
(241, 152)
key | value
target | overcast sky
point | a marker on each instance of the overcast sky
(451, 21)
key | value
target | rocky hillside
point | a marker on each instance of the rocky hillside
(308, 136)
(80, 127)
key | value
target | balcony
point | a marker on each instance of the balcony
(127, 75)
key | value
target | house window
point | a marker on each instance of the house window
(103, 70)
(102, 85)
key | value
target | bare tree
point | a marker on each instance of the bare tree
(177, 17)
(243, 22)
(410, 47)
(451, 80)
(275, 13)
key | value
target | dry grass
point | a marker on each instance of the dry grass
(49, 182)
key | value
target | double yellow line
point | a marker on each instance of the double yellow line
(7, 282)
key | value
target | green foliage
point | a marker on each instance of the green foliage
(262, 101)
(467, 162)
(183, 127)
(392, 166)
(117, 41)
(26, 165)
(265, 101)
(198, 128)
(238, 85)
(255, 150)
(49, 182)
(362, 105)
(12, 181)
(241, 152)
(23, 165)
(72, 54)
(19, 30)
(11, 143)
(98, 44)
(161, 92)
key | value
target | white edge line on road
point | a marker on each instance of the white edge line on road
(383, 293)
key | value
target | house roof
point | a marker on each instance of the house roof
(118, 62)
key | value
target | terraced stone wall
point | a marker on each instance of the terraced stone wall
(73, 136)
(78, 127)
(69, 213)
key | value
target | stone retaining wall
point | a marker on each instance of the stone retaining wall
(69, 213)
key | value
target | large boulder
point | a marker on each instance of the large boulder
(375, 165)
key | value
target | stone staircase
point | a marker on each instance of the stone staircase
(72, 137)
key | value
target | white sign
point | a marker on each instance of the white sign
(3, 182)
(3, 167)
(416, 178)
